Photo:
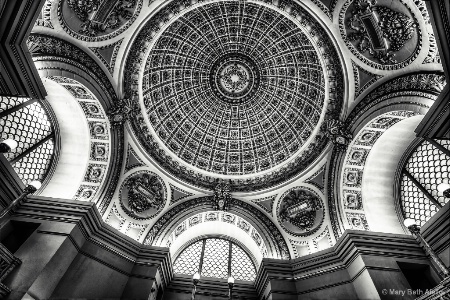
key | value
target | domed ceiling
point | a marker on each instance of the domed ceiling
(235, 90)
(233, 105)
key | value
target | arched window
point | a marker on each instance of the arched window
(215, 257)
(425, 171)
(26, 121)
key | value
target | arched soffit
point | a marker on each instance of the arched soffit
(257, 169)
(48, 48)
(85, 140)
(74, 142)
(55, 57)
(368, 173)
(417, 89)
(413, 94)
(216, 223)
(269, 234)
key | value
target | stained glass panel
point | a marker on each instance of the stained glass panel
(415, 204)
(188, 262)
(444, 143)
(429, 166)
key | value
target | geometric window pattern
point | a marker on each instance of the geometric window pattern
(429, 166)
(415, 204)
(10, 102)
(217, 258)
(34, 166)
(241, 265)
(26, 122)
(189, 260)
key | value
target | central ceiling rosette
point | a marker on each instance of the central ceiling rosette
(234, 90)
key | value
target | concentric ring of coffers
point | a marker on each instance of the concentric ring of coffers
(286, 76)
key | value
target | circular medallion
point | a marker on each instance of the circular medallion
(300, 211)
(142, 195)
(91, 20)
(234, 78)
(384, 34)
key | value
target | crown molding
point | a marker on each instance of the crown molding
(18, 75)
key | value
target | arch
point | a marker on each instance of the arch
(217, 223)
(269, 232)
(74, 141)
(85, 140)
(379, 175)
(411, 93)
(56, 57)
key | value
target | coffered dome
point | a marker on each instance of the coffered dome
(235, 90)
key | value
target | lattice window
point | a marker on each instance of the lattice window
(425, 170)
(188, 261)
(26, 122)
(241, 265)
(415, 204)
(8, 102)
(217, 258)
(27, 126)
(34, 166)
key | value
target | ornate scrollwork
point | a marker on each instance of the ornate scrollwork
(300, 212)
(144, 193)
(234, 77)
(222, 196)
(338, 134)
(97, 15)
(122, 111)
(379, 30)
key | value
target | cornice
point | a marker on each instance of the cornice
(436, 230)
(88, 220)
(212, 287)
(351, 245)
(436, 123)
(18, 74)
(11, 186)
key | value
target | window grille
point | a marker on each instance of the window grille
(26, 121)
(214, 257)
(425, 169)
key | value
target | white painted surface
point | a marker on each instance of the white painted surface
(379, 175)
(75, 140)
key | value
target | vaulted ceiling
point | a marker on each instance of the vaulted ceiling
(267, 110)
